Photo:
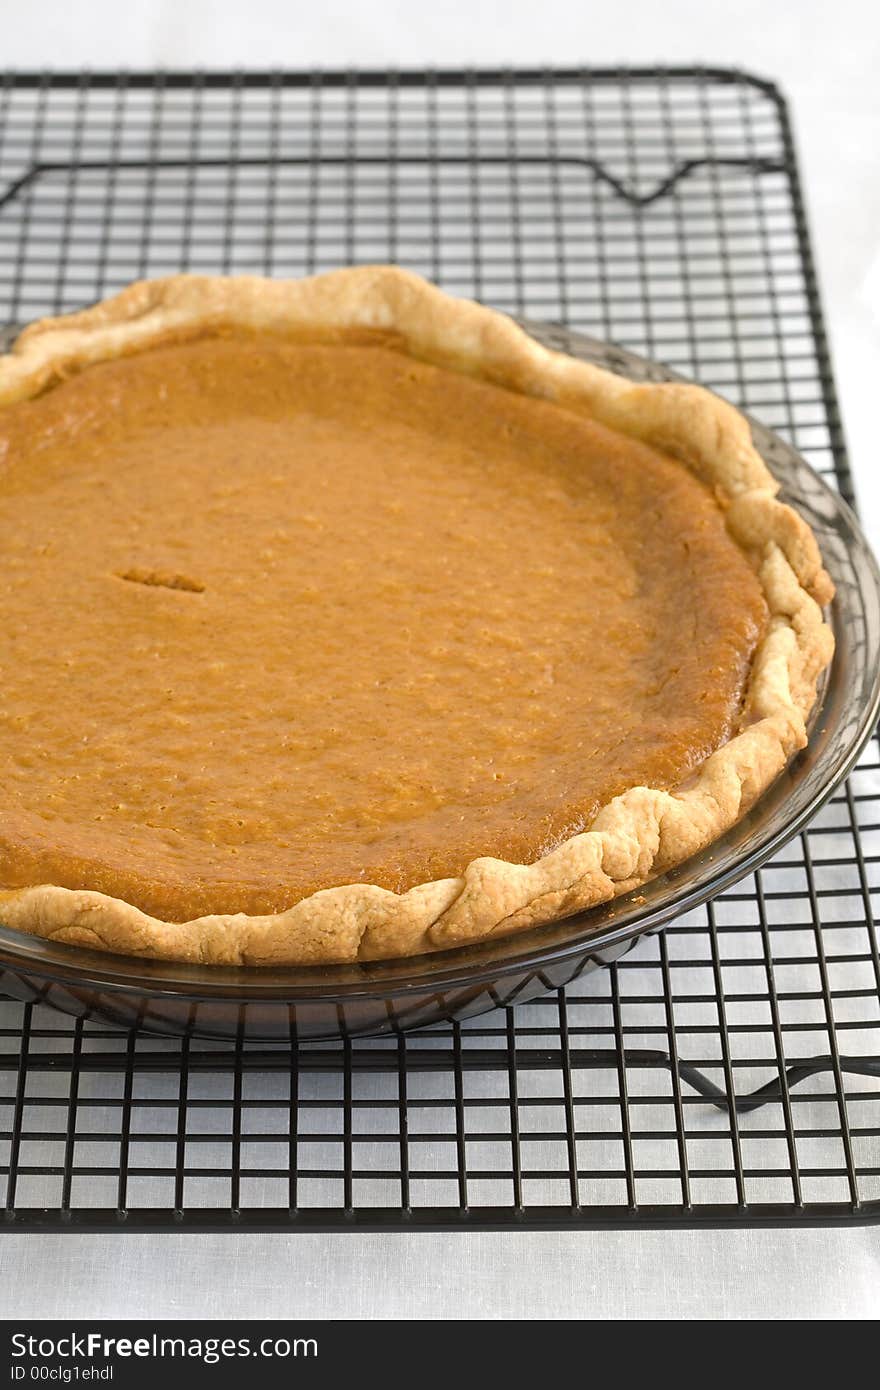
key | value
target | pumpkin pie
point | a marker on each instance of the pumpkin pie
(343, 621)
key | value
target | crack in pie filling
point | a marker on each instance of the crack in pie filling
(342, 620)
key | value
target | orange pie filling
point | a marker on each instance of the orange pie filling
(280, 615)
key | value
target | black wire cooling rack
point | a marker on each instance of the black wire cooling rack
(657, 209)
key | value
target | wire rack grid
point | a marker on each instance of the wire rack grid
(657, 209)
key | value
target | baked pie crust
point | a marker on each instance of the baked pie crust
(681, 433)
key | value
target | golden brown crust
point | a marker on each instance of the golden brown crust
(638, 834)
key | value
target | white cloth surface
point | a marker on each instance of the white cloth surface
(827, 1274)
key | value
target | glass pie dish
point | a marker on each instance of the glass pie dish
(299, 1003)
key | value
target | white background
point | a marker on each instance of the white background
(826, 57)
